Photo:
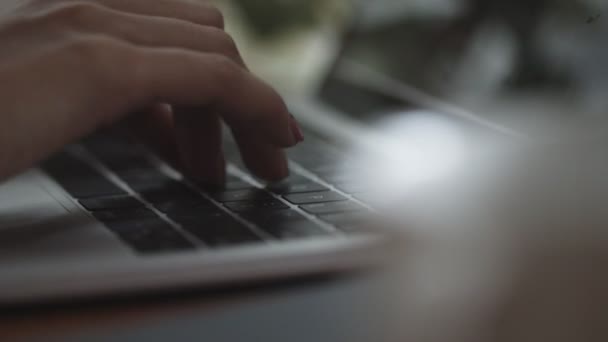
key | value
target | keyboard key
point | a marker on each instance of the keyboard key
(249, 195)
(118, 153)
(332, 208)
(223, 231)
(150, 236)
(64, 165)
(124, 214)
(271, 204)
(295, 185)
(114, 202)
(182, 209)
(166, 192)
(273, 217)
(215, 218)
(294, 229)
(128, 163)
(315, 197)
(285, 224)
(122, 160)
(81, 188)
(235, 183)
(141, 178)
(79, 179)
(292, 179)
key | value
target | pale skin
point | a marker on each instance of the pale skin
(70, 67)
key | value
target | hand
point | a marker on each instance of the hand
(69, 67)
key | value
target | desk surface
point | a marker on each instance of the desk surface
(336, 309)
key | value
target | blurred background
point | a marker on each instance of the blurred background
(524, 63)
(527, 64)
(501, 59)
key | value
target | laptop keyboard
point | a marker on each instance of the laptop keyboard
(154, 211)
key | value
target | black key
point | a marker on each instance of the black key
(208, 218)
(184, 209)
(79, 179)
(265, 205)
(294, 229)
(167, 191)
(274, 216)
(131, 163)
(222, 231)
(315, 197)
(236, 184)
(230, 185)
(122, 158)
(331, 208)
(90, 188)
(285, 224)
(124, 214)
(302, 188)
(118, 153)
(295, 185)
(143, 177)
(114, 202)
(292, 179)
(150, 236)
(241, 195)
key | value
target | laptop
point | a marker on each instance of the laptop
(106, 217)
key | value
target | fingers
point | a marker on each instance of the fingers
(215, 82)
(263, 160)
(196, 148)
(199, 138)
(185, 61)
(149, 31)
(155, 127)
(258, 116)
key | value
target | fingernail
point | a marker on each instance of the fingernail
(296, 130)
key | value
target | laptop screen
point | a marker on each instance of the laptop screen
(478, 54)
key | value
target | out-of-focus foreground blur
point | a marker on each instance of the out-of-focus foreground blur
(507, 240)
